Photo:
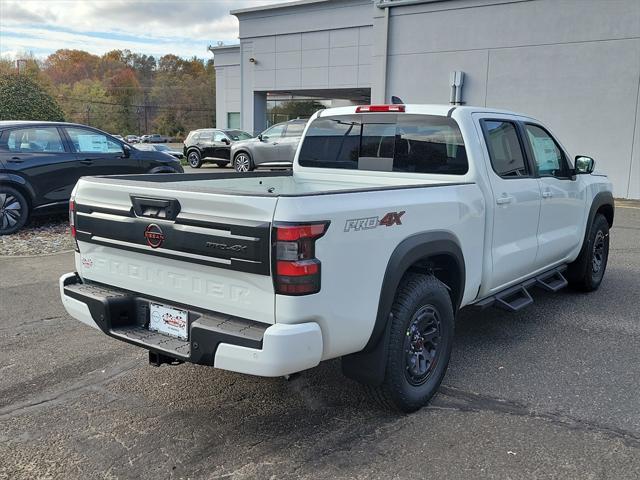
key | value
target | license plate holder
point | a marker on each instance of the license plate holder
(169, 321)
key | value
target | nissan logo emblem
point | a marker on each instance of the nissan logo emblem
(153, 234)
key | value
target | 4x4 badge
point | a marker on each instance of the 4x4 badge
(153, 234)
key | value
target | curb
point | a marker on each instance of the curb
(2, 257)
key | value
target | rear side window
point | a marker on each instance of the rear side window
(505, 150)
(294, 130)
(392, 143)
(31, 140)
(205, 136)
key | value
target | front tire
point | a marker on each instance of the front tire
(420, 341)
(14, 210)
(194, 159)
(242, 163)
(587, 271)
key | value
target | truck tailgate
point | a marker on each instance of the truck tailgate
(206, 250)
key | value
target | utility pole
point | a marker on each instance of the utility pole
(88, 110)
(21, 65)
(146, 119)
(138, 112)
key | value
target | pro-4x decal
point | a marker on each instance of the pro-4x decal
(367, 223)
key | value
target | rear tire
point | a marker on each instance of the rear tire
(194, 159)
(14, 210)
(420, 341)
(242, 163)
(587, 271)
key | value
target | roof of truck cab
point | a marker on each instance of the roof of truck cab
(424, 109)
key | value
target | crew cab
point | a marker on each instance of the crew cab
(393, 219)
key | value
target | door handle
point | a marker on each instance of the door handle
(86, 161)
(547, 194)
(16, 160)
(504, 199)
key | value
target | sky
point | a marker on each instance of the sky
(152, 27)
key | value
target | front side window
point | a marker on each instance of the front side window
(237, 135)
(550, 161)
(219, 137)
(33, 140)
(505, 151)
(399, 143)
(89, 141)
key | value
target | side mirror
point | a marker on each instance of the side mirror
(260, 137)
(584, 164)
(126, 151)
(226, 141)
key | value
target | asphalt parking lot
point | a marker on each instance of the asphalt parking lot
(550, 392)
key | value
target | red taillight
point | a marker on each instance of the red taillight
(380, 108)
(296, 268)
(72, 222)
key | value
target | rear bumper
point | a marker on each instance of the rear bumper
(215, 339)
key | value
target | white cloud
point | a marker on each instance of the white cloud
(157, 27)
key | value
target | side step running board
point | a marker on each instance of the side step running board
(518, 297)
(552, 282)
(513, 299)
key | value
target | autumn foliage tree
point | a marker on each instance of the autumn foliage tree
(126, 92)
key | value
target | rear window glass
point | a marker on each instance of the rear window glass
(392, 143)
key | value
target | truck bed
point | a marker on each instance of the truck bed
(264, 184)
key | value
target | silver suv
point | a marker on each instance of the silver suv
(275, 147)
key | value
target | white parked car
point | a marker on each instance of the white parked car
(394, 218)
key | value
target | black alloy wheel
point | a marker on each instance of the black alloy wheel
(421, 345)
(14, 210)
(194, 159)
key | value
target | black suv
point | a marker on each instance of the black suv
(211, 145)
(40, 163)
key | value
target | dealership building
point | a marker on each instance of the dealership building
(573, 64)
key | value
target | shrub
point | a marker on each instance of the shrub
(23, 99)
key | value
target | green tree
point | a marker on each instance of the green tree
(23, 99)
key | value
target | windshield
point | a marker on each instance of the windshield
(385, 142)
(237, 135)
(161, 148)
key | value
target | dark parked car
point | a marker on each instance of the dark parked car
(275, 147)
(154, 138)
(211, 145)
(149, 147)
(40, 162)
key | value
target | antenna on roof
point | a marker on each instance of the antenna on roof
(396, 100)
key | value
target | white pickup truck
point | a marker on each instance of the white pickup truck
(393, 219)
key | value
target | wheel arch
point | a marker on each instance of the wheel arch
(603, 203)
(433, 253)
(242, 150)
(20, 184)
